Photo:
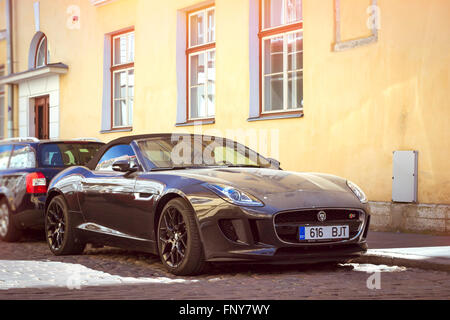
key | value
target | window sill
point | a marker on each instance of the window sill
(276, 116)
(196, 122)
(117, 130)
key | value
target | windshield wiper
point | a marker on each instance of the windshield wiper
(177, 168)
(243, 166)
(206, 167)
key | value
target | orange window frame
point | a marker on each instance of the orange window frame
(44, 37)
(115, 68)
(190, 50)
(261, 35)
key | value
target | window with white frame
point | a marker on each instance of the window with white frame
(281, 40)
(122, 76)
(201, 62)
(2, 104)
(42, 53)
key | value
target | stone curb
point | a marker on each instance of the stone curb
(405, 260)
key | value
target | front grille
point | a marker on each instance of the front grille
(287, 223)
(308, 216)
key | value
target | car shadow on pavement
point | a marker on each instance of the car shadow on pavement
(144, 264)
(31, 236)
(125, 263)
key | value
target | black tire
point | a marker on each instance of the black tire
(8, 230)
(192, 262)
(59, 229)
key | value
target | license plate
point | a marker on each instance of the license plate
(323, 233)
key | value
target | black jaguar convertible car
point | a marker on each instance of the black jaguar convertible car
(195, 199)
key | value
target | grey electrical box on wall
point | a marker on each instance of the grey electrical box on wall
(404, 178)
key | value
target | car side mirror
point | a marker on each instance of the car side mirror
(124, 165)
(275, 163)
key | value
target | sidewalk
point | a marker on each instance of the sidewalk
(409, 250)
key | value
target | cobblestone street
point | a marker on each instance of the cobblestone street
(118, 274)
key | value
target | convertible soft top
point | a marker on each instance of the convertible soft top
(127, 140)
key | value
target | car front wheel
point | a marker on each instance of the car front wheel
(59, 229)
(179, 243)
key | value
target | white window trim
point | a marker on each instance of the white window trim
(205, 27)
(46, 57)
(206, 51)
(129, 112)
(282, 25)
(205, 90)
(2, 106)
(285, 73)
(114, 99)
(284, 17)
(128, 49)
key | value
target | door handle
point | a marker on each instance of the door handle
(143, 196)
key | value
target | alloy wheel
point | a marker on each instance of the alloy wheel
(4, 220)
(173, 237)
(55, 225)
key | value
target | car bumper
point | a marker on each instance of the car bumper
(250, 235)
(294, 255)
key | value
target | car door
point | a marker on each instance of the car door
(107, 195)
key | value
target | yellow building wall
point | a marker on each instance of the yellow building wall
(360, 105)
(2, 14)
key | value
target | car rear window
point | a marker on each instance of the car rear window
(23, 157)
(67, 154)
(5, 153)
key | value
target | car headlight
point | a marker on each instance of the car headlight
(234, 195)
(357, 191)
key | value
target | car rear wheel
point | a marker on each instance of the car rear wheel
(8, 231)
(179, 243)
(59, 229)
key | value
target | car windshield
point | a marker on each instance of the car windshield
(178, 152)
(67, 154)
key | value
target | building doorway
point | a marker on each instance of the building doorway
(41, 117)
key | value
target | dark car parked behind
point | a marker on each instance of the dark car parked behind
(27, 165)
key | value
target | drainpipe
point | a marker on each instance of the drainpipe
(10, 67)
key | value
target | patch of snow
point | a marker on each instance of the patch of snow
(46, 274)
(371, 268)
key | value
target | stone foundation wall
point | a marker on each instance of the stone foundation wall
(416, 218)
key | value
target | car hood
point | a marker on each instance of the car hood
(281, 189)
